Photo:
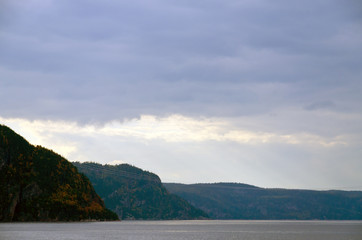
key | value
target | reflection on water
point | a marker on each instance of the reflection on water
(177, 230)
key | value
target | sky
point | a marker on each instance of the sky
(262, 92)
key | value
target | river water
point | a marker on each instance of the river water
(191, 230)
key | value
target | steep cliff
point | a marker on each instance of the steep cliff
(37, 184)
(136, 194)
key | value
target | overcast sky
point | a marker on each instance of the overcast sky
(267, 93)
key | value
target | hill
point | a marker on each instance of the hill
(241, 201)
(136, 194)
(37, 184)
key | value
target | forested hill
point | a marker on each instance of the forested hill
(136, 194)
(37, 184)
(241, 201)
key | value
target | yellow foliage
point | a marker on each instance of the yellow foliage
(85, 197)
(64, 195)
(94, 207)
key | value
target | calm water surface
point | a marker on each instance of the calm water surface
(177, 230)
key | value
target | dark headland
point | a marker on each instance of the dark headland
(37, 184)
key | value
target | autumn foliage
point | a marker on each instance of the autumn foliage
(36, 184)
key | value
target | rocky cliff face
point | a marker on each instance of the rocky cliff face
(136, 194)
(37, 184)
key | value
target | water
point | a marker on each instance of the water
(191, 230)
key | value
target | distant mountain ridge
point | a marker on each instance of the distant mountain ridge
(37, 184)
(242, 201)
(136, 194)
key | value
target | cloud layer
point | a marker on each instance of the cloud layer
(106, 60)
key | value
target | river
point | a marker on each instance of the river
(190, 230)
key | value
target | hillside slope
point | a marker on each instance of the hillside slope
(241, 201)
(136, 194)
(37, 184)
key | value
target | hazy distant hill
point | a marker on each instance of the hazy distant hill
(241, 201)
(37, 184)
(136, 194)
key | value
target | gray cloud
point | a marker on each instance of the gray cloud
(321, 105)
(104, 60)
